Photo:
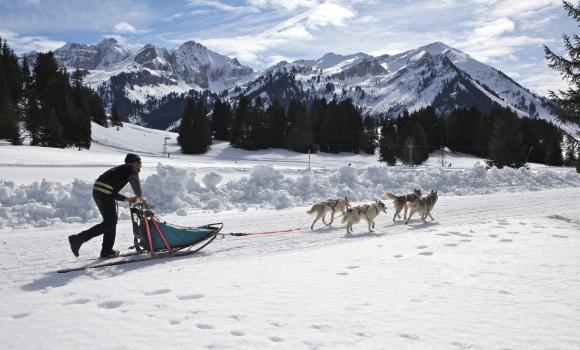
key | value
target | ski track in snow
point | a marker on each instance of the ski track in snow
(492, 271)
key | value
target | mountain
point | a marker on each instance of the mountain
(151, 72)
(142, 82)
(435, 74)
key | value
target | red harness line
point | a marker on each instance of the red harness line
(264, 233)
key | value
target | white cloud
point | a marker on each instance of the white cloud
(124, 27)
(286, 4)
(21, 44)
(298, 29)
(215, 4)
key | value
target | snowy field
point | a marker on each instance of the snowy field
(499, 268)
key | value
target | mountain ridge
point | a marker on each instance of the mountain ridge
(385, 85)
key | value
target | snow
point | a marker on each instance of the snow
(497, 269)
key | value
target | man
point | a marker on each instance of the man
(105, 192)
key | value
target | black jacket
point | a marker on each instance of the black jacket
(113, 180)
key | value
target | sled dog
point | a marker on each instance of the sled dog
(329, 206)
(423, 206)
(367, 211)
(402, 202)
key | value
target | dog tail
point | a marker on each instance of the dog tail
(346, 215)
(311, 209)
(390, 195)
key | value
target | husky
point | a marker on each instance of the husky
(368, 211)
(401, 202)
(330, 205)
(423, 206)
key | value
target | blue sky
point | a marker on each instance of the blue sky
(506, 34)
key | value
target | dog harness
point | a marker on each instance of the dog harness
(332, 206)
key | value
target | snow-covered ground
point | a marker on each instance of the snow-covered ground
(498, 268)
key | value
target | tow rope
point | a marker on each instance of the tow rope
(241, 234)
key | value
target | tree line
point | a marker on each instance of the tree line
(339, 126)
(52, 107)
(499, 135)
(333, 127)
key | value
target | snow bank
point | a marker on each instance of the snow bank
(173, 189)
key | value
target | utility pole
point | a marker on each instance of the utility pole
(442, 163)
(165, 145)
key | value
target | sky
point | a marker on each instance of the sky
(506, 34)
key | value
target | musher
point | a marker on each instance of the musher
(105, 192)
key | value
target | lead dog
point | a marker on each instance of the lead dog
(401, 202)
(328, 206)
(423, 206)
(368, 211)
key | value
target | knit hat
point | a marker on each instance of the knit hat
(131, 158)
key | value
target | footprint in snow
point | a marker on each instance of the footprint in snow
(190, 296)
(275, 339)
(363, 334)
(158, 292)
(238, 317)
(559, 236)
(465, 240)
(204, 326)
(513, 232)
(110, 304)
(321, 327)
(422, 247)
(426, 253)
(501, 291)
(409, 336)
(442, 234)
(451, 244)
(352, 267)
(77, 302)
(237, 333)
(462, 345)
(506, 240)
(20, 315)
(174, 322)
(398, 256)
(342, 273)
(494, 236)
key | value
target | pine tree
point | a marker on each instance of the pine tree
(578, 159)
(387, 142)
(330, 130)
(570, 154)
(370, 135)
(241, 126)
(220, 123)
(201, 136)
(52, 134)
(9, 129)
(553, 147)
(569, 68)
(259, 125)
(185, 138)
(115, 118)
(506, 146)
(299, 137)
(275, 116)
(8, 119)
(96, 110)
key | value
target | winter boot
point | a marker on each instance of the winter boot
(110, 254)
(75, 243)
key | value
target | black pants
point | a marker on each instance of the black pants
(107, 228)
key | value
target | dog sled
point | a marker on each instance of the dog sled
(155, 238)
(153, 235)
